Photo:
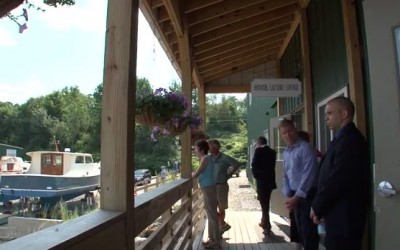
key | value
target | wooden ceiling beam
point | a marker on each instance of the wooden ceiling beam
(9, 5)
(172, 38)
(155, 3)
(237, 68)
(148, 13)
(243, 58)
(241, 16)
(237, 28)
(219, 89)
(293, 28)
(304, 3)
(172, 7)
(193, 5)
(254, 34)
(237, 45)
(162, 14)
(232, 54)
(221, 9)
(167, 27)
(198, 80)
(245, 55)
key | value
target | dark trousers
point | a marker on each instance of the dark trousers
(294, 235)
(264, 196)
(306, 229)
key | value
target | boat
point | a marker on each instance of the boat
(13, 164)
(53, 175)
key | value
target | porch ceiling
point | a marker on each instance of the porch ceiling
(8, 5)
(231, 41)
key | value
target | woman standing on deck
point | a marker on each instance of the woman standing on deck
(205, 173)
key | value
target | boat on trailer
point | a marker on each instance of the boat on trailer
(54, 175)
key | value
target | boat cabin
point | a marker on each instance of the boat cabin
(57, 163)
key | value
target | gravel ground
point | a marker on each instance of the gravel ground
(242, 196)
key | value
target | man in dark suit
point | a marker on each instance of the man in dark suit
(344, 180)
(263, 168)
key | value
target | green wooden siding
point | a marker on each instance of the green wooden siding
(291, 67)
(327, 47)
(260, 110)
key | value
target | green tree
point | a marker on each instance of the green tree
(8, 118)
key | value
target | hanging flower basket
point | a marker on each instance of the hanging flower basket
(158, 107)
(176, 130)
(146, 119)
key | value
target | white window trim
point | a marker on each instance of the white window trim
(344, 91)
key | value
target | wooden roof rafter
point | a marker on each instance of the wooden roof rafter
(240, 45)
(240, 27)
(225, 36)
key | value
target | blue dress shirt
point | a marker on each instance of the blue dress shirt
(300, 167)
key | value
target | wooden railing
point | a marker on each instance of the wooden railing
(156, 181)
(175, 207)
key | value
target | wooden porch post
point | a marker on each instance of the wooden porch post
(307, 91)
(186, 66)
(118, 114)
(354, 67)
(202, 106)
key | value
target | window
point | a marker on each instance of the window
(46, 160)
(325, 135)
(88, 159)
(58, 159)
(79, 159)
(397, 41)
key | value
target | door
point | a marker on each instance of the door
(382, 29)
(52, 164)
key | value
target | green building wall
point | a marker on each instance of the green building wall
(260, 110)
(4, 147)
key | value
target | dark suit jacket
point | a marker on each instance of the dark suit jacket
(344, 186)
(263, 166)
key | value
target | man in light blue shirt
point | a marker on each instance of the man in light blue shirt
(300, 167)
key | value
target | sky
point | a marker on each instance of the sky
(64, 47)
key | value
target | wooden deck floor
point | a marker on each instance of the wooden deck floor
(246, 234)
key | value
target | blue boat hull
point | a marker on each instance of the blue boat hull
(47, 186)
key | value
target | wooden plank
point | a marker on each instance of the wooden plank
(158, 31)
(186, 67)
(266, 20)
(202, 105)
(239, 67)
(219, 89)
(155, 3)
(150, 205)
(8, 5)
(172, 7)
(307, 80)
(354, 65)
(194, 5)
(242, 16)
(221, 9)
(251, 33)
(230, 61)
(118, 111)
(292, 30)
(242, 44)
(98, 228)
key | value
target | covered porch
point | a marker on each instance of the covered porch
(216, 46)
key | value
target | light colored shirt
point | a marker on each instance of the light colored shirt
(222, 163)
(300, 167)
(206, 178)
